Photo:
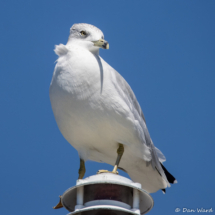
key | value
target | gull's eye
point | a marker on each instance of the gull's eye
(83, 33)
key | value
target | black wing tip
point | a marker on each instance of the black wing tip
(164, 191)
(171, 179)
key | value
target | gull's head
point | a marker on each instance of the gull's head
(87, 36)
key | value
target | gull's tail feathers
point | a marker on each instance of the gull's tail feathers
(152, 175)
(60, 50)
(158, 160)
(147, 176)
(156, 164)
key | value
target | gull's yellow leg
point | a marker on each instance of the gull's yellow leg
(82, 169)
(120, 152)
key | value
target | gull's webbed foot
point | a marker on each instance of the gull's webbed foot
(106, 171)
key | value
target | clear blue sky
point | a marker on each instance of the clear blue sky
(166, 52)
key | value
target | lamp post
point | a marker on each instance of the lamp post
(106, 194)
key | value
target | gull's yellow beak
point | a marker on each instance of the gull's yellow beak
(101, 44)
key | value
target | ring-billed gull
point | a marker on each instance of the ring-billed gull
(98, 113)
